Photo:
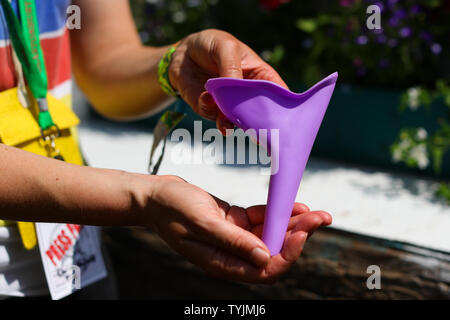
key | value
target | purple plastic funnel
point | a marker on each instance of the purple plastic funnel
(290, 122)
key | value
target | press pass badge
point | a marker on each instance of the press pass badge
(71, 256)
(169, 120)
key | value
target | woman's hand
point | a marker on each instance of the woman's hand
(210, 54)
(225, 240)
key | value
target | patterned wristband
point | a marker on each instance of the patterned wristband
(163, 73)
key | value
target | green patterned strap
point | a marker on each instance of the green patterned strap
(163, 73)
(169, 120)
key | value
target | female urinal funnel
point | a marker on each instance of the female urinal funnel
(265, 106)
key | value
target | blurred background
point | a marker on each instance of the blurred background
(380, 164)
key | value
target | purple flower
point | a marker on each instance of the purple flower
(384, 63)
(380, 5)
(400, 14)
(362, 40)
(393, 21)
(405, 32)
(426, 36)
(392, 3)
(396, 17)
(392, 43)
(381, 38)
(436, 48)
(415, 9)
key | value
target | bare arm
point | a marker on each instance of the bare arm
(36, 188)
(119, 74)
(222, 239)
(116, 72)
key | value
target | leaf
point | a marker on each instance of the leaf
(438, 154)
(444, 191)
(307, 25)
(277, 54)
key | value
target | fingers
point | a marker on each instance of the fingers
(279, 263)
(256, 68)
(227, 54)
(296, 238)
(256, 213)
(238, 217)
(224, 206)
(294, 221)
(293, 246)
(263, 71)
(220, 263)
(224, 126)
(294, 243)
(325, 219)
(299, 208)
(191, 85)
(309, 222)
(226, 263)
(236, 241)
(201, 101)
(207, 107)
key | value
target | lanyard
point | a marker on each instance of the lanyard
(26, 43)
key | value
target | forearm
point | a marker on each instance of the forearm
(116, 72)
(39, 189)
(124, 84)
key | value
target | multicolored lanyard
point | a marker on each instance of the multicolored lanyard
(26, 43)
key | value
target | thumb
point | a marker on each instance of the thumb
(228, 59)
(239, 242)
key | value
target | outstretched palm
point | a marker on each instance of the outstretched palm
(221, 238)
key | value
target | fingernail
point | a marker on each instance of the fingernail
(305, 236)
(260, 257)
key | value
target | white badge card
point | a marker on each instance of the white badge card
(71, 256)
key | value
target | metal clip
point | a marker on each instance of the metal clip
(49, 135)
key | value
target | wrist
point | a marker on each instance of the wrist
(103, 197)
(166, 77)
(141, 189)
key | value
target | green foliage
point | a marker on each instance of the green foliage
(416, 147)
(444, 191)
(311, 39)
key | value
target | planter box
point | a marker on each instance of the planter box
(333, 266)
(361, 124)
